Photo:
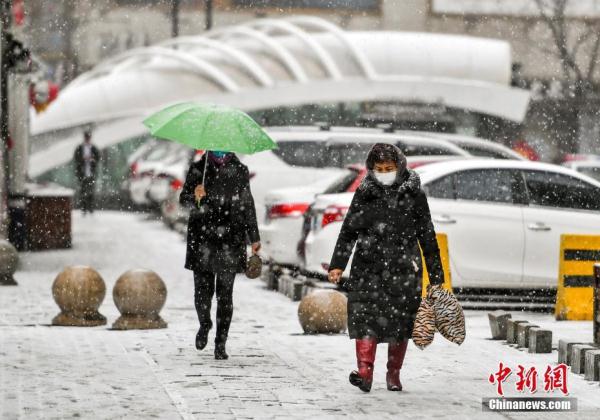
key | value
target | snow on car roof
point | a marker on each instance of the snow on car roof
(437, 169)
(358, 134)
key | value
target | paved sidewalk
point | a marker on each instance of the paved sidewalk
(273, 371)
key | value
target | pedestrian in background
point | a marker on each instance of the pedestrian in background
(222, 222)
(388, 220)
(86, 160)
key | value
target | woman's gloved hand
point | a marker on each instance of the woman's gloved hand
(199, 192)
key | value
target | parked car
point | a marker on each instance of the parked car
(172, 212)
(310, 154)
(142, 170)
(284, 229)
(503, 219)
(588, 167)
(172, 169)
(478, 147)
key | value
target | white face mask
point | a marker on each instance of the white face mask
(386, 178)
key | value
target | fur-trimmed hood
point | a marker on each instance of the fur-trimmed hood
(407, 181)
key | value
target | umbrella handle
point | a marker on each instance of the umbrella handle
(203, 174)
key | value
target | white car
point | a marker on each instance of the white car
(310, 154)
(142, 171)
(588, 167)
(285, 207)
(503, 219)
(478, 147)
(285, 220)
(171, 170)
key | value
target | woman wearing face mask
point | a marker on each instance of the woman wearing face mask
(222, 220)
(387, 221)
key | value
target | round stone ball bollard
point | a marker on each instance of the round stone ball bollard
(9, 259)
(323, 312)
(79, 291)
(139, 295)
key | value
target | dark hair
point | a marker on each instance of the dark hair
(384, 152)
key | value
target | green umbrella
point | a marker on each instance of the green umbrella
(210, 127)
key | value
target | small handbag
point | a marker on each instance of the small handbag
(254, 267)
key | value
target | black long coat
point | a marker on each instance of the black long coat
(224, 222)
(80, 161)
(387, 224)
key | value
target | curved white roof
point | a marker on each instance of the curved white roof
(267, 63)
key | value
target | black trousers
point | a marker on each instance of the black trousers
(204, 285)
(86, 191)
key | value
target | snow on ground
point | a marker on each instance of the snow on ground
(274, 371)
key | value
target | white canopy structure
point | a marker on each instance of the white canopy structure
(270, 63)
(300, 60)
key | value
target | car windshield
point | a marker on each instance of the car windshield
(322, 154)
(487, 152)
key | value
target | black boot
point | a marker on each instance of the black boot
(202, 338)
(220, 353)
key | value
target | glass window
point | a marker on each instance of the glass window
(316, 154)
(441, 188)
(343, 184)
(484, 151)
(424, 150)
(301, 153)
(493, 185)
(551, 189)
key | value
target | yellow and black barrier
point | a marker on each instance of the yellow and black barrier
(442, 240)
(575, 292)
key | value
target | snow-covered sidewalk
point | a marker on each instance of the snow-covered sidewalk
(274, 371)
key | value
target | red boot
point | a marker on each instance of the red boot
(396, 353)
(365, 357)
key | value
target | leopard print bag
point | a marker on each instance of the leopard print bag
(424, 327)
(449, 315)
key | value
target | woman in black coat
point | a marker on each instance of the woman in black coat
(387, 221)
(222, 221)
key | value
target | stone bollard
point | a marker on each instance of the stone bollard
(540, 341)
(578, 357)
(523, 334)
(323, 311)
(139, 295)
(9, 259)
(290, 287)
(498, 324)
(592, 365)
(511, 330)
(565, 348)
(79, 291)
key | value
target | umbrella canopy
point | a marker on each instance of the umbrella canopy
(210, 127)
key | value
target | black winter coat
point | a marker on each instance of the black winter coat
(80, 161)
(224, 223)
(387, 224)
